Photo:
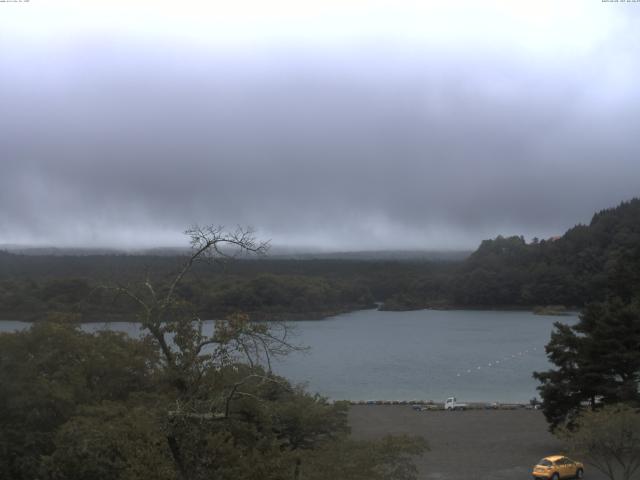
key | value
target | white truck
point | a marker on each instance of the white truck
(452, 404)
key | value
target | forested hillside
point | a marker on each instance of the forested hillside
(33, 286)
(585, 264)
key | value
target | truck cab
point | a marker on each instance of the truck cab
(452, 404)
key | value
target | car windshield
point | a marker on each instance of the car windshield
(545, 463)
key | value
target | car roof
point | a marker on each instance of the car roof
(553, 458)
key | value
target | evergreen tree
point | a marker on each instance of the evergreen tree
(598, 361)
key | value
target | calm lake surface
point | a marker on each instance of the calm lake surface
(419, 355)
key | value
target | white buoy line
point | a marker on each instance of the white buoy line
(503, 360)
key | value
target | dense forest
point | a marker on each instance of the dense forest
(571, 270)
(33, 286)
(582, 266)
(175, 404)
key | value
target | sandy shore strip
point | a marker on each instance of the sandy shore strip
(466, 445)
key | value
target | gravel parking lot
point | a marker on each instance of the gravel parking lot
(466, 445)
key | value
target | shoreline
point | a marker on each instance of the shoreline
(426, 405)
(298, 316)
(132, 317)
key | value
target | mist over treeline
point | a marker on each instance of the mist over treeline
(583, 265)
(433, 135)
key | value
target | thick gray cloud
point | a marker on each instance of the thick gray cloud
(374, 144)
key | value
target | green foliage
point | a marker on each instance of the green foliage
(101, 406)
(175, 404)
(586, 264)
(609, 438)
(110, 441)
(47, 372)
(263, 295)
(597, 360)
(268, 294)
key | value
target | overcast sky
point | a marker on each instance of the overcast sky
(349, 125)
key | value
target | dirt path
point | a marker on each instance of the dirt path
(468, 445)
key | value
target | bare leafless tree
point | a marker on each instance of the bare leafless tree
(189, 354)
(177, 327)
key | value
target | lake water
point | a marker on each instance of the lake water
(419, 355)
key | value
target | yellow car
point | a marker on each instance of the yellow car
(557, 467)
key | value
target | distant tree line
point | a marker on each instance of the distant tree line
(264, 296)
(582, 266)
(176, 404)
(32, 286)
